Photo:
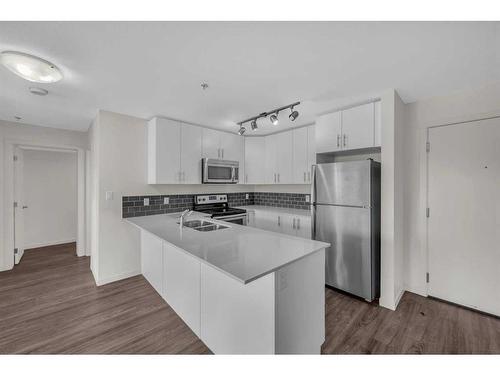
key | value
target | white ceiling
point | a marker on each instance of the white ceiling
(146, 69)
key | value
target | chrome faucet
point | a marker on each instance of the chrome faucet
(184, 214)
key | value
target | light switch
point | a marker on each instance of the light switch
(109, 195)
(166, 200)
(146, 201)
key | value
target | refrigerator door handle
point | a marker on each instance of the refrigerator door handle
(313, 202)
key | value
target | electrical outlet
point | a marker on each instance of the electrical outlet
(146, 201)
(166, 200)
(246, 196)
(308, 198)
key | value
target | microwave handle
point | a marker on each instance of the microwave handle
(233, 174)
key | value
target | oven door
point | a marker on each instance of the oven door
(240, 219)
(219, 171)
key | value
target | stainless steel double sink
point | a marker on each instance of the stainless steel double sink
(204, 225)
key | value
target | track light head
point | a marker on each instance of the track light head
(293, 115)
(253, 124)
(274, 119)
(242, 130)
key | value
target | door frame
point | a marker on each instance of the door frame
(425, 183)
(10, 145)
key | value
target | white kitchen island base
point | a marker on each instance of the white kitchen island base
(282, 312)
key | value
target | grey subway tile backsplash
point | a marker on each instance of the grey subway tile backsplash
(134, 205)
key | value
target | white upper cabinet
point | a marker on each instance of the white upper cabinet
(300, 156)
(255, 160)
(211, 144)
(164, 151)
(190, 154)
(279, 158)
(329, 132)
(358, 127)
(351, 129)
(174, 152)
(232, 147)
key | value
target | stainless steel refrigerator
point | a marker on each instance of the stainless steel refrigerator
(345, 209)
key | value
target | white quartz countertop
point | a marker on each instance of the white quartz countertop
(242, 252)
(281, 210)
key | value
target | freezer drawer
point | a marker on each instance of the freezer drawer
(349, 259)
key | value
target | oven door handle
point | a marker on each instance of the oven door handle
(236, 216)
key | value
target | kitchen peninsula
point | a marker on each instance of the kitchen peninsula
(242, 290)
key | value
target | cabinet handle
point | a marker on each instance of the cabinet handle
(309, 176)
(304, 176)
(278, 178)
(246, 178)
(183, 176)
(338, 140)
(275, 178)
(293, 225)
(222, 153)
(345, 140)
(279, 220)
(298, 223)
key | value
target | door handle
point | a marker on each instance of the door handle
(345, 140)
(293, 225)
(279, 220)
(25, 207)
(338, 140)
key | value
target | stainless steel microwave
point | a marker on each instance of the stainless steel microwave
(216, 171)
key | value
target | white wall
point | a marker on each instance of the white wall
(50, 192)
(460, 106)
(27, 134)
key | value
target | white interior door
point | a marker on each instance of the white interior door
(464, 202)
(19, 205)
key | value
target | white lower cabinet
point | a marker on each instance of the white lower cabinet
(181, 285)
(152, 260)
(294, 225)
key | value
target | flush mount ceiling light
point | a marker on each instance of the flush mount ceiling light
(273, 118)
(30, 67)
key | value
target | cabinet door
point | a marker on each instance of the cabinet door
(311, 150)
(300, 163)
(232, 146)
(164, 151)
(287, 224)
(190, 154)
(211, 144)
(271, 167)
(151, 260)
(358, 127)
(182, 285)
(303, 226)
(255, 160)
(328, 132)
(284, 157)
(251, 219)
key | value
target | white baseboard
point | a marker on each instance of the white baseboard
(110, 279)
(420, 290)
(50, 243)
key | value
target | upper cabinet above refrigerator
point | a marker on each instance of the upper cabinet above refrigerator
(350, 129)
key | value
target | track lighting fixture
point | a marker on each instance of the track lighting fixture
(253, 124)
(273, 117)
(293, 114)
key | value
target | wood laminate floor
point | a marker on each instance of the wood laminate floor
(49, 304)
